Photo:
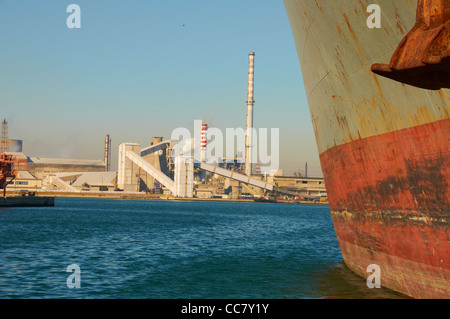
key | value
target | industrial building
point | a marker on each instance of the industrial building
(140, 169)
(159, 155)
(36, 173)
(154, 169)
(96, 182)
(305, 187)
(82, 181)
(43, 167)
(24, 181)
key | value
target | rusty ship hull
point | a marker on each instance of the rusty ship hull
(384, 145)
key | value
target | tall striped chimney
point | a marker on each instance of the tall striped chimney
(250, 103)
(204, 142)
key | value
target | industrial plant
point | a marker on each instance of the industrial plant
(157, 170)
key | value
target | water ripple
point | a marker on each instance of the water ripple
(160, 249)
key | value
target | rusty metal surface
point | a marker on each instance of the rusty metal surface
(393, 207)
(384, 145)
(423, 57)
(336, 50)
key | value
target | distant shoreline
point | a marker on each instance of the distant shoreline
(144, 196)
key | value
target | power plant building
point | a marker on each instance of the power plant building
(43, 167)
(89, 181)
(157, 154)
(96, 182)
(128, 175)
(24, 181)
(307, 187)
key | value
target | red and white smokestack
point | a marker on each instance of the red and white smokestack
(250, 103)
(204, 141)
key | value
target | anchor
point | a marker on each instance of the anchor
(423, 57)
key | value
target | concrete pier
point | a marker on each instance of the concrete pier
(26, 201)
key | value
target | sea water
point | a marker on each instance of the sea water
(174, 249)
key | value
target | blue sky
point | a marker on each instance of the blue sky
(137, 69)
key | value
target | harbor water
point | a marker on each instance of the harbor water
(174, 249)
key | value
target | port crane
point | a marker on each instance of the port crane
(6, 171)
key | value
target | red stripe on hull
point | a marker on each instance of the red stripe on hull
(390, 201)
